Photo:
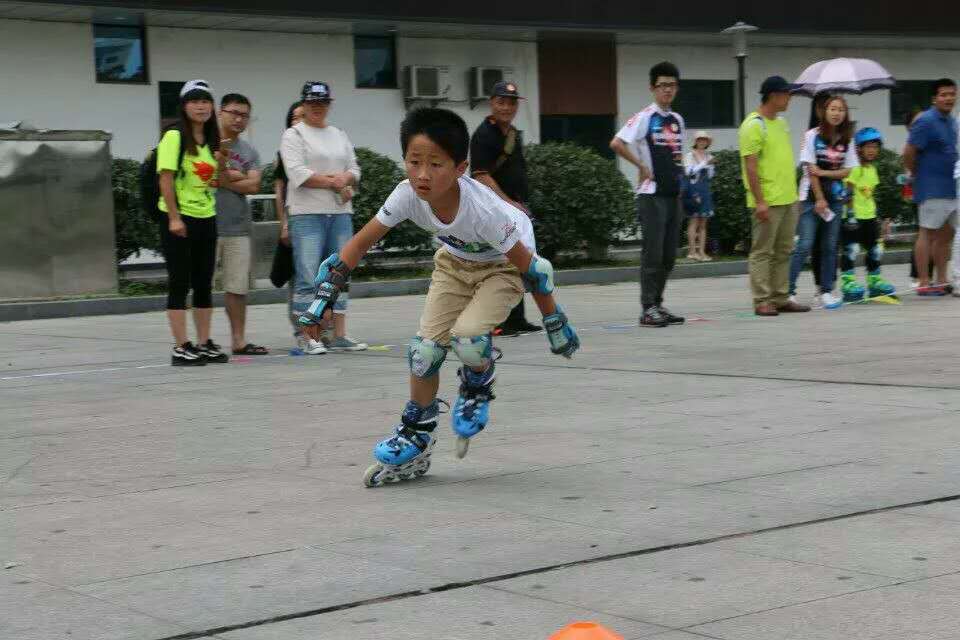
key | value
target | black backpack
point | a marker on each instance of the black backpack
(150, 180)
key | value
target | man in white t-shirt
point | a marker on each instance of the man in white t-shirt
(652, 140)
(487, 254)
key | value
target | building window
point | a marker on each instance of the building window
(375, 62)
(908, 96)
(169, 103)
(120, 54)
(706, 103)
(590, 131)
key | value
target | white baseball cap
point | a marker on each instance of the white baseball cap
(196, 85)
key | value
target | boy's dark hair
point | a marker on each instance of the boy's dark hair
(939, 84)
(444, 128)
(234, 98)
(663, 70)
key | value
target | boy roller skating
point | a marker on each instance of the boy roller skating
(861, 227)
(479, 274)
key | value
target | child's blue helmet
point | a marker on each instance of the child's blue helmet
(867, 134)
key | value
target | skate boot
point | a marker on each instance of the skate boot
(852, 291)
(878, 286)
(405, 455)
(472, 409)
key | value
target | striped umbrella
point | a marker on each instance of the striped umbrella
(843, 75)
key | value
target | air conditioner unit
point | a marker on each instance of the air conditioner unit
(480, 81)
(425, 83)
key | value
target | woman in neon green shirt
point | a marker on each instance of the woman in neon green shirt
(188, 234)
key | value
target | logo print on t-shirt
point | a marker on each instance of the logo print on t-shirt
(508, 230)
(204, 170)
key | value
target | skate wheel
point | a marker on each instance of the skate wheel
(422, 470)
(371, 476)
(463, 445)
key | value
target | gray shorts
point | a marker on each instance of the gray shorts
(936, 212)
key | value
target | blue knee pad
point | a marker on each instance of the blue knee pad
(876, 252)
(475, 351)
(425, 357)
(853, 250)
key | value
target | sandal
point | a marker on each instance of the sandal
(251, 349)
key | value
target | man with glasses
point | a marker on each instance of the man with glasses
(234, 225)
(652, 140)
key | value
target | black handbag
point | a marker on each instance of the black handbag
(281, 272)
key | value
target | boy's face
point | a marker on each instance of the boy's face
(870, 151)
(665, 89)
(431, 170)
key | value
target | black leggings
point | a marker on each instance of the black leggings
(190, 261)
(865, 236)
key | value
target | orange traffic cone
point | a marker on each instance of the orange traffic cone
(585, 631)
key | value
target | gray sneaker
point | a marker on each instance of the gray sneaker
(344, 343)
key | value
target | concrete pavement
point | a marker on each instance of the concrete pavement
(737, 478)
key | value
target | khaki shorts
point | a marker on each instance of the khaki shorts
(233, 264)
(468, 299)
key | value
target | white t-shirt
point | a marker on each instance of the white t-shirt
(816, 151)
(692, 166)
(307, 150)
(656, 138)
(483, 230)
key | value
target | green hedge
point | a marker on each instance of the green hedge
(731, 224)
(581, 201)
(379, 176)
(888, 197)
(135, 229)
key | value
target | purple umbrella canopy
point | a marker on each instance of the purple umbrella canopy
(843, 75)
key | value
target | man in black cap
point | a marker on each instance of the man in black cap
(496, 160)
(770, 180)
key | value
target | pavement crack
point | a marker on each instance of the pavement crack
(453, 586)
(16, 472)
(898, 583)
(188, 566)
(780, 473)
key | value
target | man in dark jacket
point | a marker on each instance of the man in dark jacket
(496, 160)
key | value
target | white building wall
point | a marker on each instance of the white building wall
(47, 75)
(48, 79)
(717, 63)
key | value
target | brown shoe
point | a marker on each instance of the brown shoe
(791, 306)
(766, 309)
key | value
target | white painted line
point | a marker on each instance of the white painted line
(67, 373)
(54, 374)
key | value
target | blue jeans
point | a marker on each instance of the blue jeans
(315, 237)
(829, 238)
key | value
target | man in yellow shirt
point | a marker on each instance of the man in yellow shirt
(769, 178)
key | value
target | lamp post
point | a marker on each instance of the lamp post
(739, 32)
